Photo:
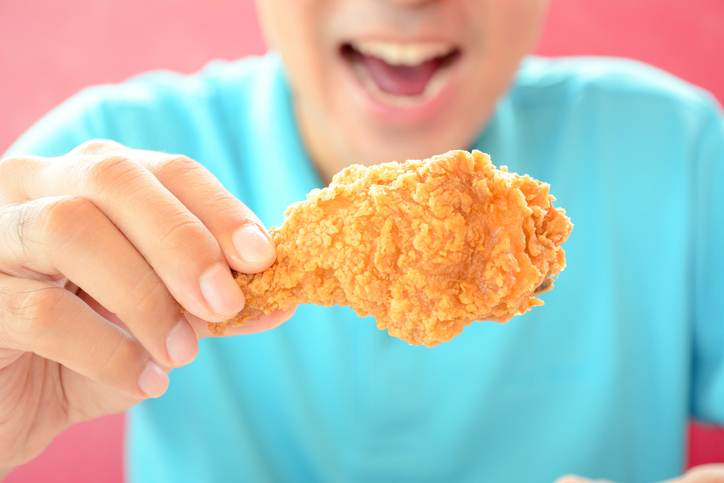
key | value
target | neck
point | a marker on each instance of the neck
(328, 153)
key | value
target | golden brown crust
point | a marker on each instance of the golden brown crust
(426, 247)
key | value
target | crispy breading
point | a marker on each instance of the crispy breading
(425, 247)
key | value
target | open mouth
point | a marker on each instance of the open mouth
(401, 74)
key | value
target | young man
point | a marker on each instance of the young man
(102, 235)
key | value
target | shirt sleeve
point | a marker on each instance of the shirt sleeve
(708, 280)
(71, 123)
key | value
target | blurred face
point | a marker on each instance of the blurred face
(381, 80)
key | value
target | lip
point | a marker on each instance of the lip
(418, 112)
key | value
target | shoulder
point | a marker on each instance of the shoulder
(610, 86)
(158, 98)
(148, 110)
(169, 87)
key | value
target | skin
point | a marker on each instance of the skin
(100, 297)
(336, 123)
(700, 474)
(113, 259)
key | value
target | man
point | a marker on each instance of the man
(102, 240)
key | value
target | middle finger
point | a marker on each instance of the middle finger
(69, 236)
(182, 251)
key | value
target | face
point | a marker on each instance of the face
(382, 80)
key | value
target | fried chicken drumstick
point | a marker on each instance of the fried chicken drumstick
(426, 247)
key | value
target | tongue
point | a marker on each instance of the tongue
(400, 80)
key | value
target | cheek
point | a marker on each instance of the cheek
(506, 31)
(511, 26)
(295, 30)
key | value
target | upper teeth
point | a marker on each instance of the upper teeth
(403, 54)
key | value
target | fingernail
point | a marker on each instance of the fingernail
(253, 245)
(181, 343)
(153, 381)
(221, 291)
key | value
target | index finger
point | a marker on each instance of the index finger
(178, 246)
(241, 235)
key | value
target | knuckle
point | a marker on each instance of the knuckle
(10, 165)
(65, 218)
(183, 231)
(150, 296)
(110, 172)
(176, 167)
(37, 309)
(226, 206)
(96, 146)
(119, 357)
(11, 171)
(14, 237)
(23, 218)
(67, 208)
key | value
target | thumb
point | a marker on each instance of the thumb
(579, 479)
(572, 479)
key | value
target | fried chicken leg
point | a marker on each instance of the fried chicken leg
(426, 247)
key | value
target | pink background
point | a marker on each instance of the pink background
(50, 49)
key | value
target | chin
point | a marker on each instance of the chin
(377, 142)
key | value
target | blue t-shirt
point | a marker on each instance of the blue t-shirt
(600, 381)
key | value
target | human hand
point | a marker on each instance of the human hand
(700, 474)
(102, 251)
